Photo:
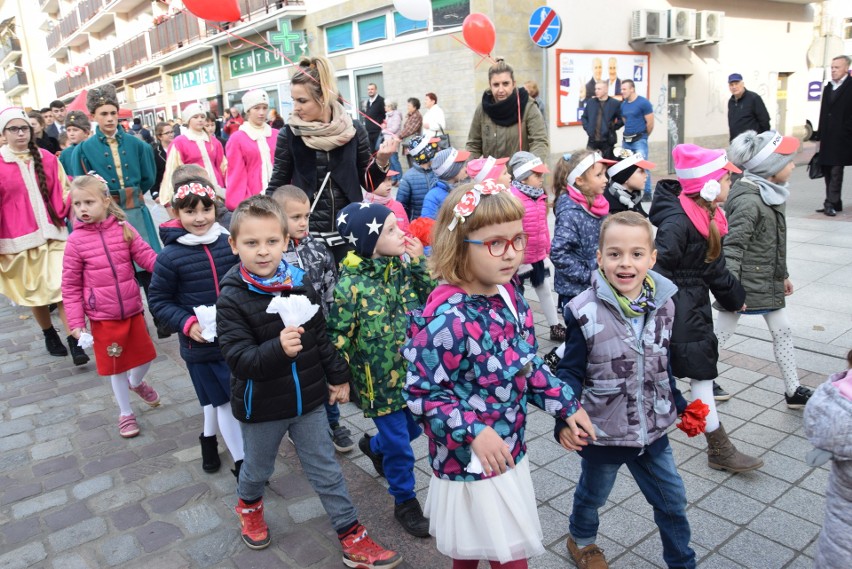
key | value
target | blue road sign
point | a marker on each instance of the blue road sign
(545, 27)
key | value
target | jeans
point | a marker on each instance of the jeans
(396, 431)
(640, 145)
(662, 487)
(396, 166)
(332, 413)
(316, 453)
(833, 185)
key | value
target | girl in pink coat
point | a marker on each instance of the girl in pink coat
(250, 151)
(528, 186)
(98, 282)
(195, 146)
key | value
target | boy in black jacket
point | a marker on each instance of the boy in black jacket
(280, 376)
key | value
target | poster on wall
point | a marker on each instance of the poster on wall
(578, 71)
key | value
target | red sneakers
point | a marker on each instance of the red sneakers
(361, 552)
(255, 532)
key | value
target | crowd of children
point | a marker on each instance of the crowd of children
(275, 334)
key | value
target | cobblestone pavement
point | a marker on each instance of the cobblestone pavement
(73, 494)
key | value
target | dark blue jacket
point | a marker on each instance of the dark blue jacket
(610, 122)
(413, 187)
(184, 278)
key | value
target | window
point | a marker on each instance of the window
(847, 29)
(371, 30)
(339, 37)
(403, 25)
(449, 13)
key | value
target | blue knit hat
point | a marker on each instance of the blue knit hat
(422, 149)
(360, 224)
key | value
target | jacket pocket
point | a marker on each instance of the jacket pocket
(90, 300)
(663, 408)
(606, 403)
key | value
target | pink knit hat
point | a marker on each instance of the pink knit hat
(695, 166)
(486, 168)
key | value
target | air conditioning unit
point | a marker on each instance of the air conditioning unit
(650, 26)
(681, 25)
(708, 27)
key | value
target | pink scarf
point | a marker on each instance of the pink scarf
(600, 207)
(844, 385)
(700, 217)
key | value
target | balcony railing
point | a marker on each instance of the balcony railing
(9, 48)
(174, 33)
(14, 83)
(69, 24)
(88, 8)
(130, 53)
(54, 38)
(101, 67)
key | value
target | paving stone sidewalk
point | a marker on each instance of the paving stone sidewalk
(73, 494)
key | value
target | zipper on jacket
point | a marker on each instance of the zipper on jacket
(298, 389)
(247, 395)
(371, 394)
(114, 273)
(213, 268)
(333, 226)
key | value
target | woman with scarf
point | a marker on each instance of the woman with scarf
(250, 151)
(194, 146)
(756, 246)
(495, 130)
(324, 152)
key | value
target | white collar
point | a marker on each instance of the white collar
(195, 137)
(837, 84)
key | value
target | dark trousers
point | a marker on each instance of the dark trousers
(833, 185)
(603, 146)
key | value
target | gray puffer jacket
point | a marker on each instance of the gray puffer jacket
(828, 424)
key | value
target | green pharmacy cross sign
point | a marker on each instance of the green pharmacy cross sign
(283, 41)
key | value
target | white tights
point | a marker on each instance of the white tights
(220, 418)
(703, 389)
(545, 297)
(121, 389)
(782, 342)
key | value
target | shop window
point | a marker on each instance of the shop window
(403, 25)
(449, 13)
(371, 30)
(339, 37)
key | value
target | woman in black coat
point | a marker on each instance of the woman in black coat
(689, 252)
(322, 151)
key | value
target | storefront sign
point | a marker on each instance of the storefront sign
(149, 89)
(286, 46)
(254, 61)
(202, 75)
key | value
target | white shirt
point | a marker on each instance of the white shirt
(836, 85)
(434, 117)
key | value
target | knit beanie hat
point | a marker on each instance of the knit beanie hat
(423, 149)
(482, 169)
(449, 162)
(79, 120)
(361, 224)
(696, 166)
(10, 113)
(254, 98)
(191, 110)
(99, 96)
(763, 154)
(522, 164)
(628, 163)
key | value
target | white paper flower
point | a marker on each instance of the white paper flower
(207, 320)
(294, 310)
(86, 341)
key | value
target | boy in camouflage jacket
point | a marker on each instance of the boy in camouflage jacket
(367, 323)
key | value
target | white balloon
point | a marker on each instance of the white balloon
(414, 9)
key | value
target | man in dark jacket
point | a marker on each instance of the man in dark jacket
(374, 107)
(746, 110)
(835, 124)
(601, 120)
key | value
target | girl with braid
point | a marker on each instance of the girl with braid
(32, 229)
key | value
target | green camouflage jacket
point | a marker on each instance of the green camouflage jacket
(367, 324)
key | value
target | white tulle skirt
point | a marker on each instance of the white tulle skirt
(494, 519)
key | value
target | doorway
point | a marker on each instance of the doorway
(676, 115)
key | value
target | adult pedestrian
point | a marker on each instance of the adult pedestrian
(233, 123)
(324, 152)
(637, 114)
(393, 128)
(40, 136)
(250, 151)
(601, 119)
(374, 108)
(532, 88)
(59, 111)
(495, 130)
(139, 130)
(434, 121)
(835, 142)
(411, 127)
(746, 110)
(164, 135)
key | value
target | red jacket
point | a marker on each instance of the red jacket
(98, 276)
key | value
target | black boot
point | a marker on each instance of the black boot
(53, 343)
(410, 517)
(209, 453)
(77, 353)
(377, 458)
(236, 470)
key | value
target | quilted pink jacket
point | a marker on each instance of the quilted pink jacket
(535, 225)
(245, 170)
(98, 273)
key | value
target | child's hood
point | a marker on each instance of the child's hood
(828, 419)
(666, 202)
(379, 268)
(171, 231)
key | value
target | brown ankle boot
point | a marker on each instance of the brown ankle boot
(723, 455)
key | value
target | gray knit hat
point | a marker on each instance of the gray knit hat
(100, 96)
(79, 120)
(763, 154)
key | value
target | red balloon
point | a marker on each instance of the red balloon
(216, 10)
(479, 33)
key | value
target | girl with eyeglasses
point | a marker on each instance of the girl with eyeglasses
(473, 368)
(32, 229)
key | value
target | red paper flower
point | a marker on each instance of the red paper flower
(422, 229)
(694, 418)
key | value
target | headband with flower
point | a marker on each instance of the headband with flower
(471, 198)
(194, 188)
(96, 176)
